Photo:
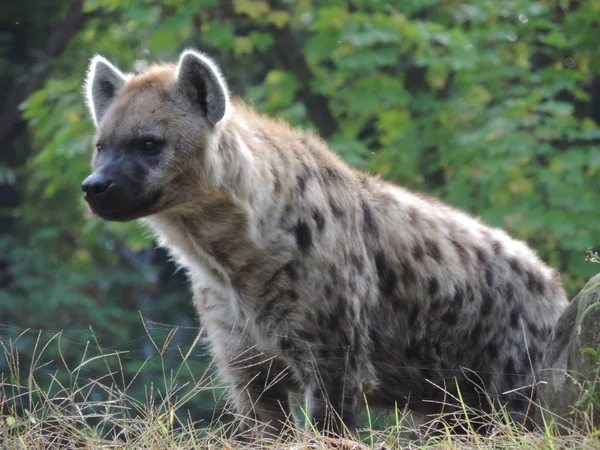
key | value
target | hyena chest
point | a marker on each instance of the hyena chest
(236, 288)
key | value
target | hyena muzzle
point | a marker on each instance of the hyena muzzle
(308, 276)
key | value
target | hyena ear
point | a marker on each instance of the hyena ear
(200, 79)
(102, 85)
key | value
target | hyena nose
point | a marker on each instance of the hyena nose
(97, 187)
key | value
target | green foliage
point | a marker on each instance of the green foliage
(492, 106)
(487, 105)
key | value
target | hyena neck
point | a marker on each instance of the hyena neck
(232, 230)
(239, 169)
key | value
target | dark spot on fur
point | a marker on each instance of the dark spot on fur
(291, 294)
(469, 294)
(375, 339)
(487, 302)
(330, 174)
(489, 275)
(323, 326)
(335, 209)
(302, 178)
(534, 284)
(276, 181)
(481, 256)
(463, 254)
(450, 317)
(357, 262)
(515, 266)
(560, 331)
(306, 335)
(387, 277)
(492, 350)
(357, 341)
(533, 329)
(285, 343)
(457, 299)
(319, 219)
(510, 293)
(546, 332)
(433, 250)
(413, 215)
(272, 284)
(275, 308)
(528, 358)
(333, 274)
(557, 279)
(408, 274)
(514, 318)
(364, 181)
(327, 351)
(412, 316)
(534, 354)
(497, 247)
(418, 252)
(340, 306)
(303, 235)
(475, 333)
(370, 224)
(412, 351)
(352, 285)
(433, 286)
(291, 272)
(328, 292)
(399, 305)
(352, 361)
(338, 314)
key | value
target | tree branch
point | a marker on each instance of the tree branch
(59, 37)
(288, 48)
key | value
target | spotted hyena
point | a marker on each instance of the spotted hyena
(309, 276)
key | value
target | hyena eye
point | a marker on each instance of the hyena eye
(98, 147)
(150, 145)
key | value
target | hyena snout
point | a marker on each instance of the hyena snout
(97, 187)
(115, 195)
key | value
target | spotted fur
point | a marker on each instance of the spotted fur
(314, 278)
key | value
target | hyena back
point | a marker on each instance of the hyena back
(311, 277)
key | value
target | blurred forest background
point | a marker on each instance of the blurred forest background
(493, 106)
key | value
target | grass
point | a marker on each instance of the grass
(48, 404)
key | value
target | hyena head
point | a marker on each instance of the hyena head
(155, 133)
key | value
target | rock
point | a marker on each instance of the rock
(570, 374)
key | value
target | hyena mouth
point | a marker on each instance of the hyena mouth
(126, 211)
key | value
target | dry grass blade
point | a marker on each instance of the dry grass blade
(100, 413)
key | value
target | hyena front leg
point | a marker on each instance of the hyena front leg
(333, 399)
(258, 382)
(259, 387)
(333, 406)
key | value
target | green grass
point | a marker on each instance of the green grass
(99, 412)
